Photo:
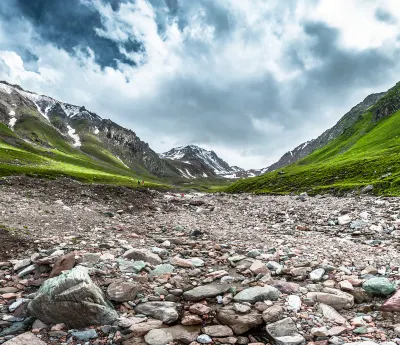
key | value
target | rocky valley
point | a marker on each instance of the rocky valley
(92, 264)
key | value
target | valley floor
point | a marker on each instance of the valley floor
(291, 246)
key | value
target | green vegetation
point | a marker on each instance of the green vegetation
(46, 153)
(366, 153)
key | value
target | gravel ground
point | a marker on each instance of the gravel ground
(351, 239)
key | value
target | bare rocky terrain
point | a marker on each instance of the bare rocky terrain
(86, 264)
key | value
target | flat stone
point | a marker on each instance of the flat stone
(205, 291)
(140, 329)
(85, 335)
(144, 255)
(257, 293)
(180, 262)
(167, 312)
(160, 336)
(27, 338)
(191, 319)
(27, 270)
(123, 291)
(218, 331)
(338, 301)
(162, 269)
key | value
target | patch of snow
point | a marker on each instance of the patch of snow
(13, 120)
(69, 109)
(73, 135)
(204, 174)
(305, 144)
(122, 162)
(188, 172)
(96, 130)
(230, 176)
(183, 173)
(6, 88)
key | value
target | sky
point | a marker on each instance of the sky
(249, 79)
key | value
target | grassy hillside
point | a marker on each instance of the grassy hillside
(45, 153)
(366, 153)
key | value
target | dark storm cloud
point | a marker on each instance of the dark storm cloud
(339, 69)
(384, 16)
(71, 24)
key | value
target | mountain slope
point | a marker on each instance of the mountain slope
(348, 120)
(194, 162)
(63, 138)
(366, 152)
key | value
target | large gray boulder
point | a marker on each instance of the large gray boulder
(73, 299)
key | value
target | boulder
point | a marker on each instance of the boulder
(167, 312)
(72, 298)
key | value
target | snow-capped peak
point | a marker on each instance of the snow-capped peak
(198, 156)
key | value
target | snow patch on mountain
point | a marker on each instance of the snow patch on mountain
(74, 136)
(13, 120)
(70, 110)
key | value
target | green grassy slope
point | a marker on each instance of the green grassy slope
(366, 153)
(46, 153)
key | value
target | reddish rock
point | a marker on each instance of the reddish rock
(393, 303)
(64, 263)
(199, 309)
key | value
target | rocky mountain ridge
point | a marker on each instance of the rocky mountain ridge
(202, 162)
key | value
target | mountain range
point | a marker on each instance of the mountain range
(39, 134)
(42, 136)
